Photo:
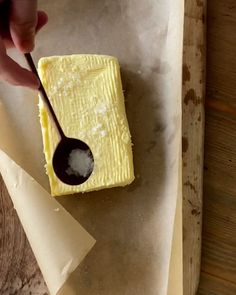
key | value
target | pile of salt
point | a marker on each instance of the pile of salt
(80, 163)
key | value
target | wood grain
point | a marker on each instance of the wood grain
(19, 272)
(211, 285)
(193, 134)
(219, 231)
(219, 221)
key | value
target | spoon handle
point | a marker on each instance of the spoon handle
(44, 96)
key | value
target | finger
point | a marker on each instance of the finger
(42, 20)
(23, 21)
(14, 74)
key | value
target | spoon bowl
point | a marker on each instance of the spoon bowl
(73, 161)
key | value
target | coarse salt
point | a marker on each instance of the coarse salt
(103, 133)
(96, 128)
(101, 109)
(80, 163)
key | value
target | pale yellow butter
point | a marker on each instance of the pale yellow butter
(86, 94)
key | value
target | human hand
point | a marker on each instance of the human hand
(19, 22)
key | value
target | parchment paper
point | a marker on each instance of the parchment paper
(133, 226)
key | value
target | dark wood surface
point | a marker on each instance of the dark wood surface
(219, 222)
(19, 272)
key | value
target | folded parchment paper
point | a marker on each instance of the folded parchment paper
(134, 225)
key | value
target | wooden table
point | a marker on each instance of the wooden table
(219, 223)
(19, 272)
(219, 231)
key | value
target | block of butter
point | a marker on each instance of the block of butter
(87, 97)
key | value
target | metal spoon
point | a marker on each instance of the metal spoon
(68, 149)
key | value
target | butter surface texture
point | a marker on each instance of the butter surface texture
(87, 97)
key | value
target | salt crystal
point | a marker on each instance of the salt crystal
(80, 163)
(95, 129)
(101, 109)
(56, 209)
(103, 133)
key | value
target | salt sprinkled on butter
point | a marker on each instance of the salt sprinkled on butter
(101, 109)
(80, 163)
(103, 133)
(96, 128)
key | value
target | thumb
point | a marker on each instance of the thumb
(13, 73)
(23, 21)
